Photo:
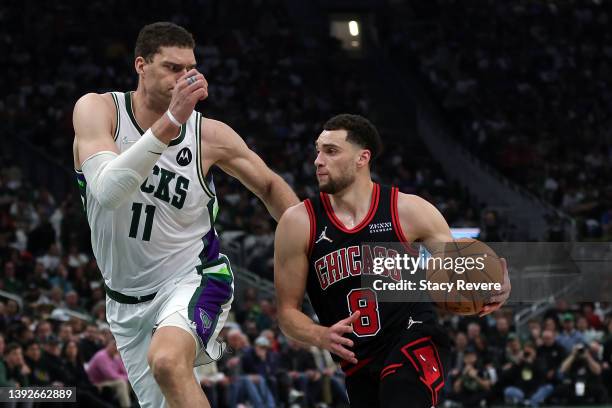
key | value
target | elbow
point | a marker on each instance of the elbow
(267, 189)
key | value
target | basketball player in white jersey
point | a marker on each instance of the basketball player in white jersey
(142, 161)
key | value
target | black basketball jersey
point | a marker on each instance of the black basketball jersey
(341, 261)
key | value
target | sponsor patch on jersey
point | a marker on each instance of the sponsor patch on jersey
(184, 156)
(380, 227)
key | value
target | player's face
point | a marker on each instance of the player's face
(161, 74)
(336, 161)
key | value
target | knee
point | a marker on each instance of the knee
(167, 368)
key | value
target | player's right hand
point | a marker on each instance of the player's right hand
(185, 95)
(333, 338)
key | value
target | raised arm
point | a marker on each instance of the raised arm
(225, 148)
(113, 177)
(290, 275)
(421, 221)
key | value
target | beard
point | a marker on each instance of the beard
(334, 185)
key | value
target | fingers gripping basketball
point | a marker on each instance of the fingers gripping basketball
(471, 269)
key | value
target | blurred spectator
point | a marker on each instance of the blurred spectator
(12, 311)
(17, 370)
(588, 334)
(513, 352)
(458, 352)
(213, 382)
(244, 387)
(74, 375)
(300, 372)
(75, 258)
(42, 237)
(72, 302)
(106, 370)
(267, 316)
(593, 317)
(64, 333)
(43, 331)
(40, 374)
(51, 259)
(499, 338)
(91, 341)
(534, 334)
(11, 283)
(262, 365)
(569, 337)
(60, 279)
(471, 386)
(552, 355)
(581, 377)
(4, 379)
(527, 376)
(52, 353)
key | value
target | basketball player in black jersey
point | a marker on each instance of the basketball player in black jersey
(392, 352)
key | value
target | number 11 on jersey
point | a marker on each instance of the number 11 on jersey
(136, 211)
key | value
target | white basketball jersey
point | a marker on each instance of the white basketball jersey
(165, 229)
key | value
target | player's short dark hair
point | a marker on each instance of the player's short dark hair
(359, 130)
(161, 34)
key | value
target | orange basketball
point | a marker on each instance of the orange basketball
(462, 275)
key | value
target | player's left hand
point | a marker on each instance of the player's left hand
(498, 299)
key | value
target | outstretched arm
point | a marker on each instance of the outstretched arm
(420, 220)
(225, 148)
(290, 275)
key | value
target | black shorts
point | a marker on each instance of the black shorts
(409, 374)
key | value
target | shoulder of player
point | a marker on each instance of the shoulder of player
(414, 211)
(96, 101)
(94, 111)
(218, 133)
(220, 139)
(296, 216)
(294, 226)
(412, 205)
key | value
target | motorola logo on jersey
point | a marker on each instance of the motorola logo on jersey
(184, 156)
(353, 261)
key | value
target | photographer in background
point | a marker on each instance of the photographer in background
(527, 376)
(581, 380)
(472, 385)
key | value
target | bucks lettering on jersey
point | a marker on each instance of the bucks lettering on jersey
(165, 230)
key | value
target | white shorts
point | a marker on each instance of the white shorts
(199, 304)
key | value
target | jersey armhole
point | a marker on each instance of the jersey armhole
(313, 224)
(397, 226)
(117, 117)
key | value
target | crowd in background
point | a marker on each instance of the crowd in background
(527, 87)
(275, 86)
